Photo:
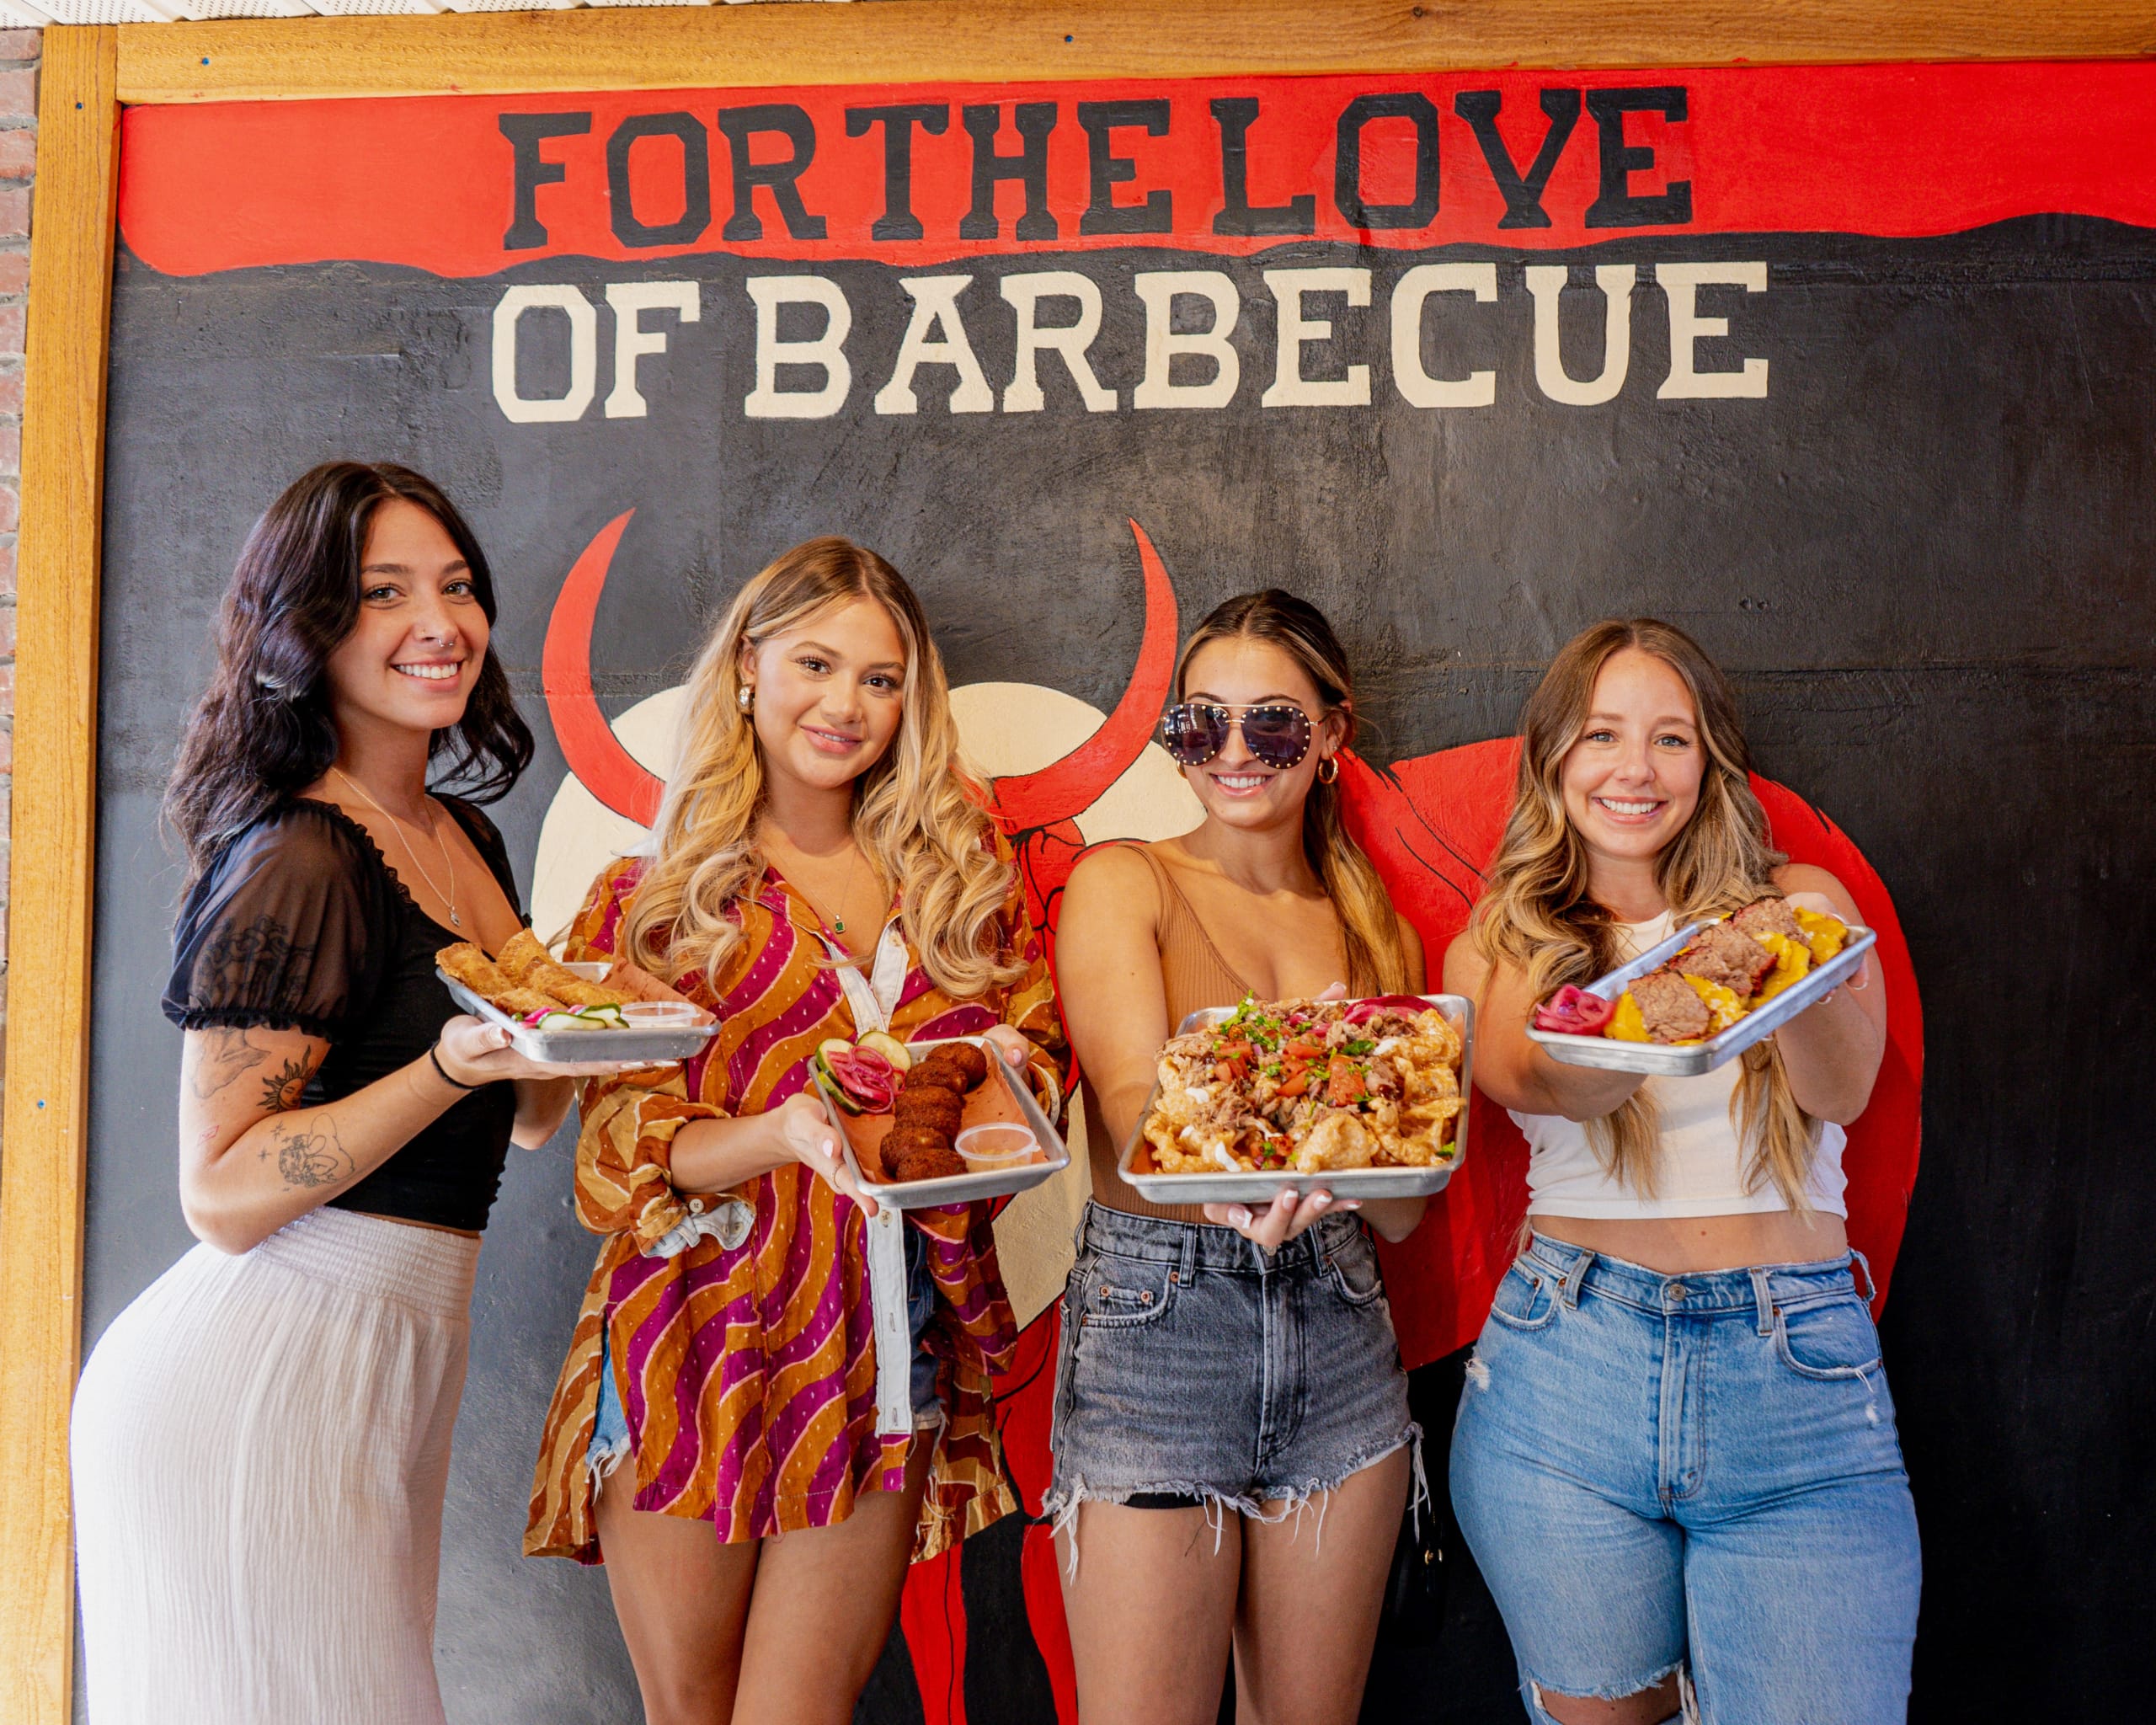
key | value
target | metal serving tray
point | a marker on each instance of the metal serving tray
(567, 1047)
(1261, 1188)
(1661, 1059)
(959, 1188)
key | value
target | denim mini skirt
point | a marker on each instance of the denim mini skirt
(1196, 1369)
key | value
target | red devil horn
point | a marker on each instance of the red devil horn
(1065, 788)
(595, 754)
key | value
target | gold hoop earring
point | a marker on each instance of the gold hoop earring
(1323, 776)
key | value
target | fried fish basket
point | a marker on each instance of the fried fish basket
(1688, 1059)
(660, 1045)
(1261, 1187)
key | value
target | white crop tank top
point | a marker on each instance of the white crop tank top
(1702, 1165)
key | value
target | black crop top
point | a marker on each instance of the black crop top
(301, 925)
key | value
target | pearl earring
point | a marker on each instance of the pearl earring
(747, 697)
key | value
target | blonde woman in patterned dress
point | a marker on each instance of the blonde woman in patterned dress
(819, 870)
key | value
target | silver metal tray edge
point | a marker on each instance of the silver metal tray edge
(1689, 1060)
(960, 1189)
(567, 1047)
(1345, 1183)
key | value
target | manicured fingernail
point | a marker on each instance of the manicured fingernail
(1239, 1216)
(1351, 1203)
(1322, 1200)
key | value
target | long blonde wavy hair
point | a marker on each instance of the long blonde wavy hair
(1369, 930)
(913, 817)
(1535, 913)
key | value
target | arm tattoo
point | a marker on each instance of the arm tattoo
(281, 1091)
(309, 1155)
(227, 1056)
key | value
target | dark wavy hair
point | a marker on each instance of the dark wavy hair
(263, 729)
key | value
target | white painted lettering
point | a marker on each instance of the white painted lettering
(584, 354)
(1159, 289)
(767, 401)
(1290, 387)
(1477, 389)
(1681, 282)
(632, 340)
(1025, 293)
(937, 336)
(1546, 282)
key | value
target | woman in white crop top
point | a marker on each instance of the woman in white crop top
(1676, 1460)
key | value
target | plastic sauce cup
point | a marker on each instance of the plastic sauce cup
(659, 1015)
(995, 1145)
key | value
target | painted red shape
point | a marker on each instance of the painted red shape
(594, 753)
(1064, 789)
(427, 181)
(932, 1613)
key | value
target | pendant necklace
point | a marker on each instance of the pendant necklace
(447, 898)
(839, 926)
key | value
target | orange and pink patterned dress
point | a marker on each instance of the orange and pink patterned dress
(748, 1372)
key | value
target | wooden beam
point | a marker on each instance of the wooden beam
(52, 878)
(1014, 40)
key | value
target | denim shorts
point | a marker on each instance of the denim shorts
(1695, 1474)
(1194, 1368)
(610, 1430)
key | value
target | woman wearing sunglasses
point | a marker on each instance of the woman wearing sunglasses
(1225, 1371)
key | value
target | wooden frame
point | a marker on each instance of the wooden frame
(1012, 41)
(89, 72)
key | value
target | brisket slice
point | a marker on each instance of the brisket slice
(1728, 956)
(1769, 916)
(1672, 1011)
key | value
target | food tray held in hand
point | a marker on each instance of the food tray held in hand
(1003, 1095)
(660, 1045)
(1262, 1187)
(1688, 1059)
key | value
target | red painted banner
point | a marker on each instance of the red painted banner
(464, 186)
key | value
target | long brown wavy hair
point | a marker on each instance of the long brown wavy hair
(1370, 929)
(262, 730)
(1536, 916)
(916, 815)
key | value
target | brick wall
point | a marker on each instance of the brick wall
(18, 61)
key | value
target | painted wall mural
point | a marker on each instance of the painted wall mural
(1844, 369)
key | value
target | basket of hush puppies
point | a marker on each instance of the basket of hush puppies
(936, 1122)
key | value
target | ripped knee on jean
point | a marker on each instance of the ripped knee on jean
(1663, 1698)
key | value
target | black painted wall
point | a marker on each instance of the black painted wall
(1925, 556)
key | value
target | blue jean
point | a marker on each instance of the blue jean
(1695, 1474)
(1195, 1367)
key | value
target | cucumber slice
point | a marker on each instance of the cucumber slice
(565, 1021)
(833, 1045)
(890, 1048)
(822, 1069)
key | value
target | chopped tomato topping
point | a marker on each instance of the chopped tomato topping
(1344, 1085)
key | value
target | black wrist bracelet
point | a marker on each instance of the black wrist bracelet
(435, 1057)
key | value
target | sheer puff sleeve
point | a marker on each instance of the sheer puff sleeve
(625, 1149)
(284, 930)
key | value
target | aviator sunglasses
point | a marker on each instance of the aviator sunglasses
(1193, 731)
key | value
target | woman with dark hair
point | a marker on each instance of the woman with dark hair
(1676, 1459)
(1225, 1371)
(261, 1440)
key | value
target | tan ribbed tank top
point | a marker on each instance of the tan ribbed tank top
(1193, 975)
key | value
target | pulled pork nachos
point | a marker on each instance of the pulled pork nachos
(1306, 1086)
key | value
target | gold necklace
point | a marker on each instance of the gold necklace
(839, 926)
(447, 898)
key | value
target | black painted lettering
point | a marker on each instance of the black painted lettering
(1522, 192)
(1347, 161)
(696, 179)
(1617, 207)
(898, 221)
(1109, 170)
(1234, 115)
(1035, 120)
(526, 132)
(791, 123)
